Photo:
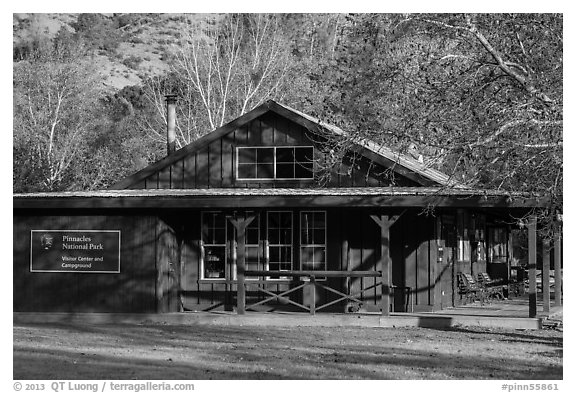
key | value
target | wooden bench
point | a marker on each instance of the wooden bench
(492, 287)
(469, 289)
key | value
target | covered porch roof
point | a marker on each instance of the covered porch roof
(281, 197)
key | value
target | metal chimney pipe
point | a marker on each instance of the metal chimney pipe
(171, 123)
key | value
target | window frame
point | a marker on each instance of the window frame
(275, 163)
(492, 243)
(202, 275)
(230, 269)
(268, 245)
(324, 245)
(248, 245)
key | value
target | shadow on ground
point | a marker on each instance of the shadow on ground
(216, 352)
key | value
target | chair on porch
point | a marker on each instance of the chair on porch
(492, 287)
(469, 289)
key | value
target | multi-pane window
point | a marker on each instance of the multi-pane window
(217, 233)
(213, 245)
(313, 240)
(497, 244)
(279, 240)
(281, 163)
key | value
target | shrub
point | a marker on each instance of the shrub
(132, 62)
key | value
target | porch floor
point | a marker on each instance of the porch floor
(516, 307)
(508, 314)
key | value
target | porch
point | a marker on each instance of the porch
(506, 314)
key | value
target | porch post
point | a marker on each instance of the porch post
(558, 268)
(546, 275)
(240, 224)
(532, 267)
(385, 222)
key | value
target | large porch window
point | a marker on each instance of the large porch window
(497, 245)
(279, 240)
(218, 246)
(213, 247)
(313, 240)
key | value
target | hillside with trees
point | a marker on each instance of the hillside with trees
(477, 96)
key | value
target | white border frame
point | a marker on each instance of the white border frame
(271, 178)
(78, 230)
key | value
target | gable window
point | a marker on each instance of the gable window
(276, 163)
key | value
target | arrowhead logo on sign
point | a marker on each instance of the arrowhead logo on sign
(47, 241)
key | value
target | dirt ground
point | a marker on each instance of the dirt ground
(159, 351)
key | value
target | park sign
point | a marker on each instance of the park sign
(74, 251)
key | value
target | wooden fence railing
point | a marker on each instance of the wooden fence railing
(312, 282)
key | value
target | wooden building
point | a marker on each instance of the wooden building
(243, 217)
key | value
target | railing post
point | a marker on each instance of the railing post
(532, 267)
(313, 295)
(383, 303)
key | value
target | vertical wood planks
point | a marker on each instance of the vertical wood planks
(202, 168)
(409, 245)
(215, 164)
(355, 232)
(177, 175)
(558, 268)
(436, 266)
(189, 174)
(546, 276)
(254, 133)
(164, 178)
(344, 265)
(371, 258)
(422, 261)
(267, 132)
(227, 160)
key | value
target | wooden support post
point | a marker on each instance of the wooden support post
(240, 224)
(437, 259)
(230, 286)
(546, 276)
(510, 254)
(312, 295)
(532, 267)
(345, 254)
(385, 222)
(557, 268)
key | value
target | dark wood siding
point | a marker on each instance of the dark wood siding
(413, 250)
(213, 166)
(132, 290)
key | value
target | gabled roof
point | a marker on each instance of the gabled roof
(402, 164)
(400, 159)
